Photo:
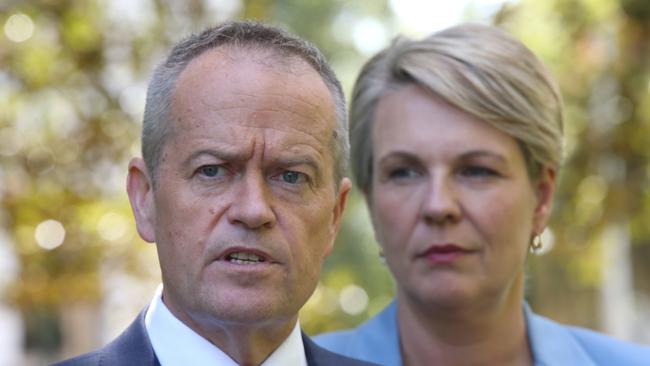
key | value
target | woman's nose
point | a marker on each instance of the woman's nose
(441, 203)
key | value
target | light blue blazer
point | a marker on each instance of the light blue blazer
(377, 340)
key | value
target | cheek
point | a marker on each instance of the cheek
(181, 230)
(508, 223)
(307, 233)
(390, 216)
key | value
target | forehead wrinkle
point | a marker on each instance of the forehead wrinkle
(319, 147)
(252, 125)
(225, 145)
(299, 99)
(281, 96)
(301, 115)
(243, 105)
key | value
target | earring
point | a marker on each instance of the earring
(536, 244)
(382, 258)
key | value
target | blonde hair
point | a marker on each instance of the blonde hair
(476, 68)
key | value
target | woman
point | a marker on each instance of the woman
(456, 141)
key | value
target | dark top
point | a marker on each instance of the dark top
(133, 347)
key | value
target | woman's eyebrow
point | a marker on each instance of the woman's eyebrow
(483, 154)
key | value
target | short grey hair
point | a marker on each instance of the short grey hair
(157, 121)
(478, 69)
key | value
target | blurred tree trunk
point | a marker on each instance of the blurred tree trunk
(81, 328)
(11, 335)
(617, 288)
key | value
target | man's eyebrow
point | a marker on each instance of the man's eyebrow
(288, 160)
(299, 160)
(219, 154)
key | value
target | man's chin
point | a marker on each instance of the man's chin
(248, 310)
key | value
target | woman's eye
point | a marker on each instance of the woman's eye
(399, 173)
(292, 177)
(478, 172)
(210, 170)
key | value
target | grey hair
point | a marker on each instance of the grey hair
(478, 69)
(157, 121)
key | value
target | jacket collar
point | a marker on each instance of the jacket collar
(552, 343)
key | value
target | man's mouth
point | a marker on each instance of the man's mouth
(242, 255)
(244, 258)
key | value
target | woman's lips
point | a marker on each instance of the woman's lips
(445, 253)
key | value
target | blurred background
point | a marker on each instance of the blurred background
(73, 76)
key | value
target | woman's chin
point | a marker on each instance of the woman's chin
(449, 294)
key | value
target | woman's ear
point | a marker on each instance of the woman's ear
(139, 186)
(544, 190)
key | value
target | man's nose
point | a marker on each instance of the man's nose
(251, 204)
(441, 204)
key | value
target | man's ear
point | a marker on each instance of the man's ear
(544, 189)
(339, 207)
(140, 189)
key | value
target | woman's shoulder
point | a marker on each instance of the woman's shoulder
(607, 350)
(339, 341)
(376, 340)
(553, 342)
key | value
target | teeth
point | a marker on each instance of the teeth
(244, 258)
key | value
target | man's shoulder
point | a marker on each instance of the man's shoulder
(92, 358)
(130, 347)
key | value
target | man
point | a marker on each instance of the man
(242, 188)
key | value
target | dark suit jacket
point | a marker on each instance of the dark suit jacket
(133, 347)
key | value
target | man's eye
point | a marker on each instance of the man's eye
(292, 177)
(210, 170)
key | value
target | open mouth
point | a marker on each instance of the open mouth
(244, 258)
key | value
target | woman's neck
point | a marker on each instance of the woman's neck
(472, 333)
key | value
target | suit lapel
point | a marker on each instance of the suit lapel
(132, 347)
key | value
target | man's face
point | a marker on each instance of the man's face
(245, 207)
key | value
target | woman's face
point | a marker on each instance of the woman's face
(451, 201)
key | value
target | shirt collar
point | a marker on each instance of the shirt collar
(176, 344)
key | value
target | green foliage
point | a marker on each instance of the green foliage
(599, 52)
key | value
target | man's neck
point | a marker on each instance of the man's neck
(248, 344)
(493, 333)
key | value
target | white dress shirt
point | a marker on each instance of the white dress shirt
(176, 344)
